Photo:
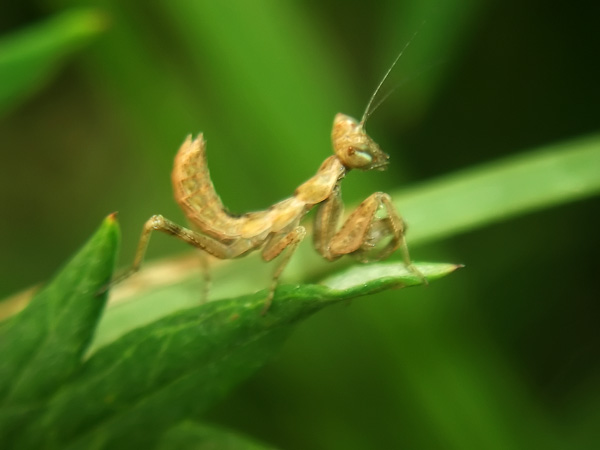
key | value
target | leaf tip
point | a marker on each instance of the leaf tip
(110, 232)
(112, 217)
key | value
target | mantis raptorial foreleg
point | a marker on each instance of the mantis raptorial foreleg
(361, 231)
(326, 222)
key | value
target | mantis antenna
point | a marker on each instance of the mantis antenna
(370, 109)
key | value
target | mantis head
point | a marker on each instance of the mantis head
(353, 146)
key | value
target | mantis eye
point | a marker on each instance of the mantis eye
(358, 157)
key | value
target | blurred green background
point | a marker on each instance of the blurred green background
(504, 354)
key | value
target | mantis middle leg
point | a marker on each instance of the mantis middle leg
(276, 244)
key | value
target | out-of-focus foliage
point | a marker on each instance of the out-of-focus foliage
(29, 58)
(502, 355)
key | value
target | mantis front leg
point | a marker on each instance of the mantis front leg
(361, 231)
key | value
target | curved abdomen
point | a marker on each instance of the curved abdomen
(196, 195)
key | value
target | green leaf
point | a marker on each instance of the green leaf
(194, 436)
(179, 366)
(30, 57)
(43, 345)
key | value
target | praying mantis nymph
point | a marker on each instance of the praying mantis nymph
(277, 229)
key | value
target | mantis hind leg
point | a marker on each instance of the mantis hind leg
(206, 277)
(222, 250)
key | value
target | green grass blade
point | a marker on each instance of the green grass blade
(498, 191)
(30, 57)
(182, 364)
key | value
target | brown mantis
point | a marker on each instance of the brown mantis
(277, 229)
